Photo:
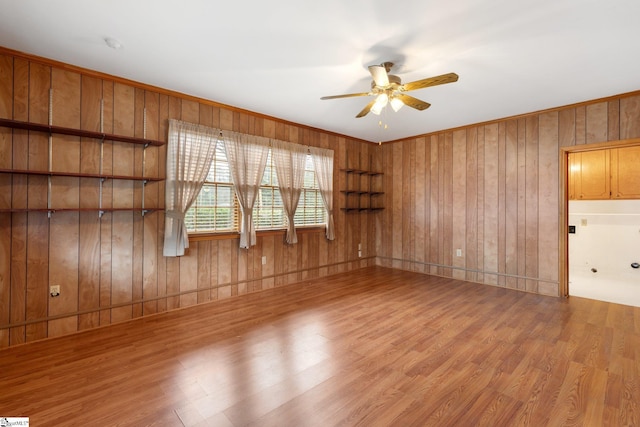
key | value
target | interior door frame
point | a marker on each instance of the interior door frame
(563, 229)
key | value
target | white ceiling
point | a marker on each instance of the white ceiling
(279, 57)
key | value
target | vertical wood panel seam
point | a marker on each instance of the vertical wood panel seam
(48, 222)
(79, 254)
(480, 206)
(11, 254)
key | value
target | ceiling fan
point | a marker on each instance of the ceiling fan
(388, 89)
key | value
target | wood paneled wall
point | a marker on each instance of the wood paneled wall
(111, 269)
(492, 191)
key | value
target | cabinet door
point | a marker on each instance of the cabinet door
(625, 173)
(593, 175)
(574, 168)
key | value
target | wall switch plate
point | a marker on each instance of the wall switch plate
(458, 252)
(264, 260)
(572, 229)
(54, 290)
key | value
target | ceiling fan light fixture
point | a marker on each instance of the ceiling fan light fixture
(381, 101)
(396, 104)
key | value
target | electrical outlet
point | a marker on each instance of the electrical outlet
(359, 254)
(264, 260)
(458, 252)
(54, 290)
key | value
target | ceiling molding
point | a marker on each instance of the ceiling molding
(104, 76)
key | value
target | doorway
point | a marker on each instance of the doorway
(584, 223)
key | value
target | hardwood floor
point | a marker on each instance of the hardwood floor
(376, 347)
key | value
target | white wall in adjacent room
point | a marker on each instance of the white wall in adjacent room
(605, 244)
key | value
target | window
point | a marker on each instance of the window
(268, 212)
(217, 210)
(311, 209)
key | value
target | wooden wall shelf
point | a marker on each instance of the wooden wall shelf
(360, 171)
(361, 194)
(99, 211)
(16, 124)
(361, 209)
(98, 136)
(80, 175)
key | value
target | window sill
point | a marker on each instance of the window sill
(197, 237)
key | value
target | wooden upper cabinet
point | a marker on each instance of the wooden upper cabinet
(573, 173)
(590, 171)
(605, 174)
(625, 173)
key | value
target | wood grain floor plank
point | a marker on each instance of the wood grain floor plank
(374, 347)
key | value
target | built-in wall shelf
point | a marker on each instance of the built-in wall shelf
(363, 188)
(361, 209)
(99, 211)
(80, 175)
(361, 172)
(50, 129)
(51, 173)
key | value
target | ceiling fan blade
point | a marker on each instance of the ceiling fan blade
(431, 81)
(366, 109)
(379, 74)
(347, 95)
(412, 102)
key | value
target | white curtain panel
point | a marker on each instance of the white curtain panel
(323, 164)
(190, 151)
(289, 159)
(247, 157)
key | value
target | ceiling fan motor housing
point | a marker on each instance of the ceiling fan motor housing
(394, 83)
